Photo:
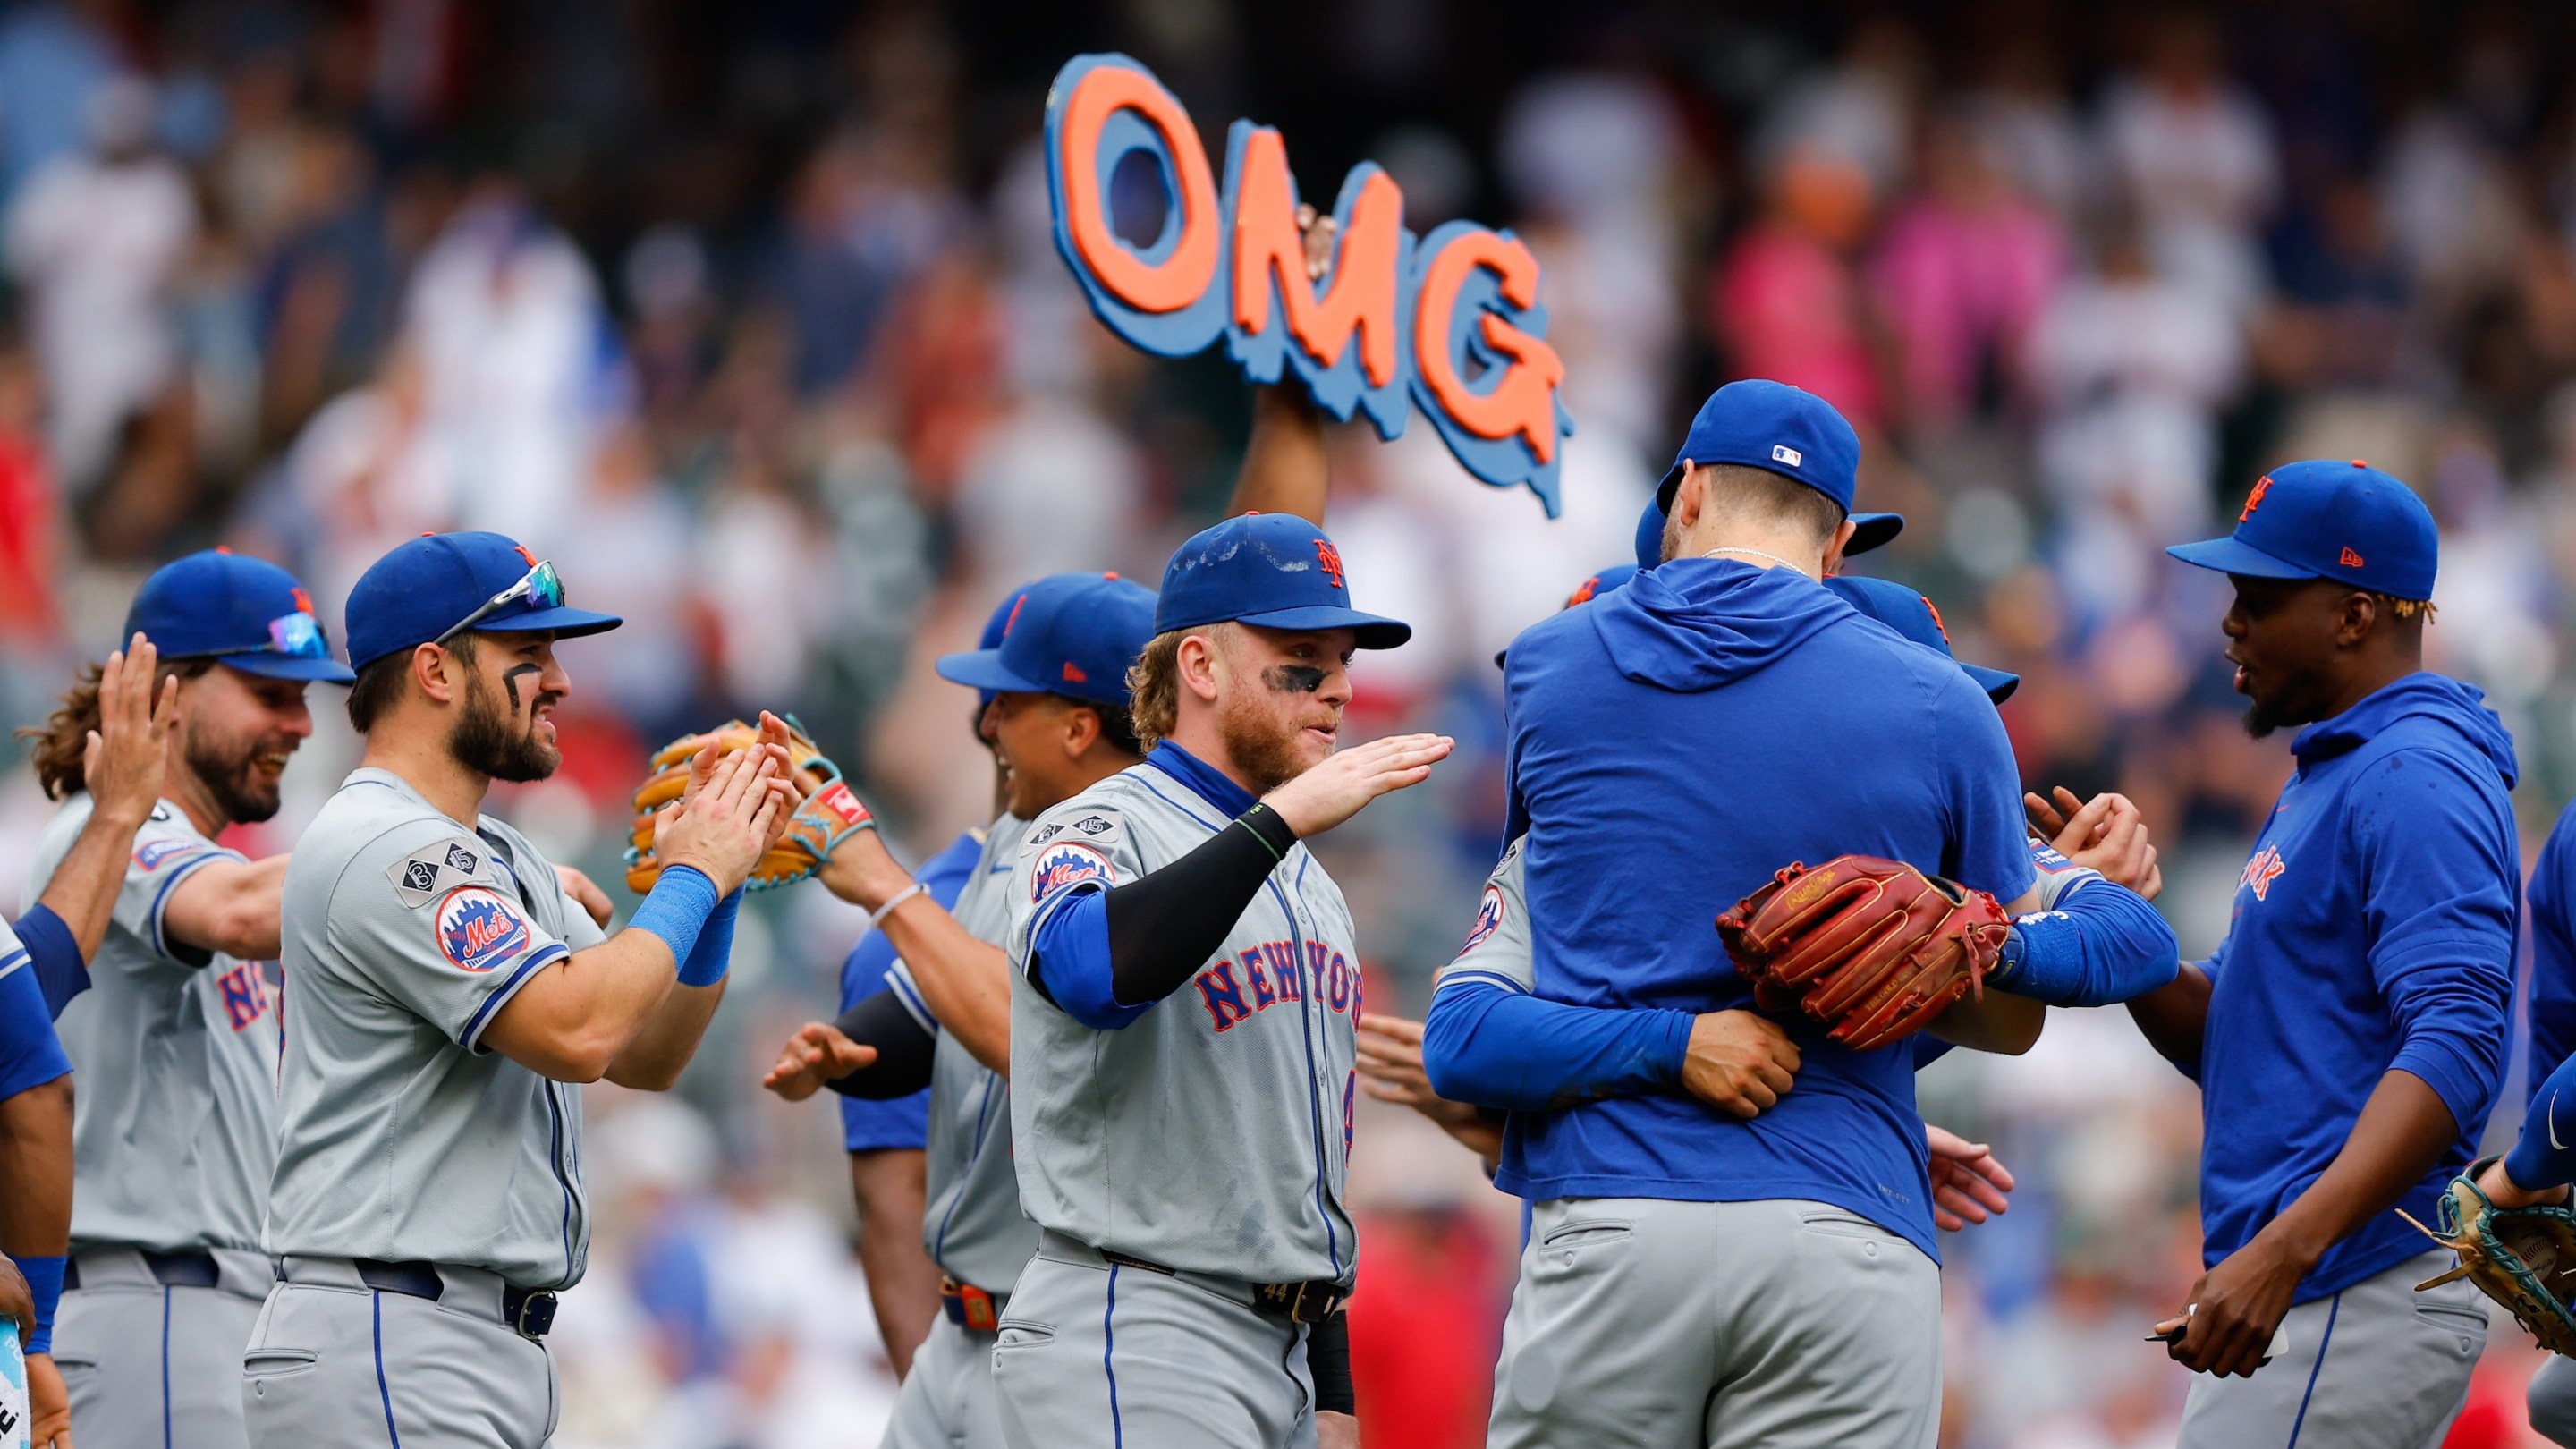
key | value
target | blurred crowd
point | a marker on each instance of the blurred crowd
(749, 316)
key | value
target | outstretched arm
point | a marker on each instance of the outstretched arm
(128, 757)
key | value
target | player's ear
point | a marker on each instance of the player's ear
(1834, 550)
(439, 674)
(1197, 663)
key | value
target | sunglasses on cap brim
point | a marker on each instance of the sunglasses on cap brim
(540, 585)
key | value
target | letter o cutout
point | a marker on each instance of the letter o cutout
(1183, 275)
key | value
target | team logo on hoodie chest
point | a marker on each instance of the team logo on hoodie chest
(2262, 870)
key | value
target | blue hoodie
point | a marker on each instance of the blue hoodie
(2553, 953)
(1674, 744)
(2373, 931)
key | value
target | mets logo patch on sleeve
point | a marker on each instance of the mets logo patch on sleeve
(1064, 862)
(1489, 919)
(156, 853)
(478, 929)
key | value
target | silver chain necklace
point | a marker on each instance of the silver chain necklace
(1757, 553)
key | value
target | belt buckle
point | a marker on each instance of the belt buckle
(536, 1315)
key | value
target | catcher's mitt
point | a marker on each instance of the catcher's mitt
(829, 816)
(1872, 948)
(2523, 1258)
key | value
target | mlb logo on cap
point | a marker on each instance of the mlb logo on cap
(2324, 518)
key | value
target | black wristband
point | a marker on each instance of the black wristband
(1328, 1358)
(1268, 828)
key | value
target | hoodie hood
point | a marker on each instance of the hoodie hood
(2461, 707)
(1695, 624)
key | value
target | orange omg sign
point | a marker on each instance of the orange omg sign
(1449, 323)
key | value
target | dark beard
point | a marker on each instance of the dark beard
(486, 742)
(238, 794)
(2259, 723)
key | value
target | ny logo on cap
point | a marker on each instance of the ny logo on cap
(1331, 559)
(2254, 499)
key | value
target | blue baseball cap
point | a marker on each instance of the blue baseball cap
(247, 612)
(994, 628)
(1766, 424)
(432, 586)
(1869, 531)
(2324, 519)
(1069, 634)
(1274, 570)
(1912, 615)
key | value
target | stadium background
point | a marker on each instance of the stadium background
(747, 315)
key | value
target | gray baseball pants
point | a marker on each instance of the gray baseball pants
(2377, 1366)
(1101, 1355)
(1649, 1324)
(2552, 1400)
(947, 1400)
(150, 1365)
(335, 1362)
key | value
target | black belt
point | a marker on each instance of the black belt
(1312, 1301)
(530, 1311)
(192, 1269)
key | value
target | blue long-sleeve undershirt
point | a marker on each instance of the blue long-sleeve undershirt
(2103, 944)
(1497, 1046)
(54, 954)
(2538, 1161)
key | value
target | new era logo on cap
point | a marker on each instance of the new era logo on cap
(2350, 559)
(1783, 453)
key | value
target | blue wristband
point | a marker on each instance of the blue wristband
(677, 909)
(45, 1284)
(714, 952)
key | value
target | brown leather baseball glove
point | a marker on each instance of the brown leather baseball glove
(830, 815)
(1872, 948)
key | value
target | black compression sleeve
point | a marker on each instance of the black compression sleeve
(904, 1050)
(1328, 1358)
(1164, 926)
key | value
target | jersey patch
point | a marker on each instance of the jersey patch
(1489, 919)
(421, 876)
(1099, 827)
(1061, 864)
(154, 854)
(478, 929)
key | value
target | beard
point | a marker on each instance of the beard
(489, 741)
(232, 776)
(1260, 743)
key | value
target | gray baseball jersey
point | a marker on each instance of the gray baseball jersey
(401, 1135)
(174, 1128)
(1498, 945)
(1211, 1134)
(972, 1226)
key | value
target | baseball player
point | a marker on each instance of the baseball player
(2347, 1034)
(121, 750)
(1762, 1273)
(1181, 1040)
(2551, 900)
(427, 1202)
(886, 1138)
(176, 1035)
(1059, 723)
